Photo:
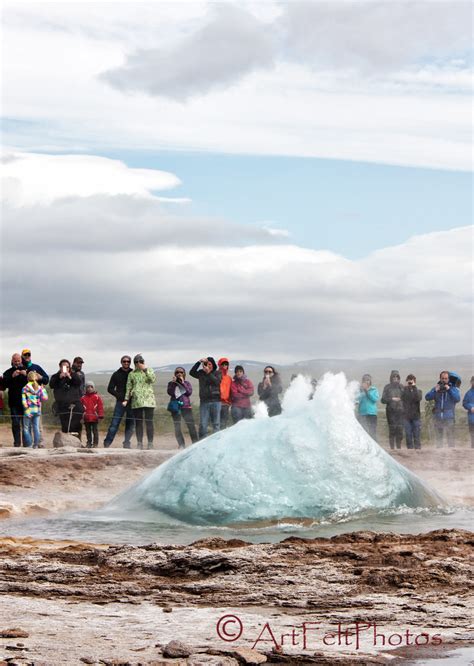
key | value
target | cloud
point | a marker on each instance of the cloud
(226, 291)
(232, 44)
(94, 204)
(375, 36)
(371, 38)
(29, 178)
(417, 116)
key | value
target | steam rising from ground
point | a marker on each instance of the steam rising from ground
(313, 461)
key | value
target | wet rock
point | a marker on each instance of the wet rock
(13, 633)
(175, 649)
(88, 660)
(249, 656)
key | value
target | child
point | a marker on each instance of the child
(93, 412)
(32, 395)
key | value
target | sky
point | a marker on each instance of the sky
(266, 180)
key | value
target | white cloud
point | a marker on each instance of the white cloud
(417, 116)
(29, 178)
(106, 274)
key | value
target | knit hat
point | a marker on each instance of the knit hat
(26, 351)
(138, 358)
(367, 378)
(89, 383)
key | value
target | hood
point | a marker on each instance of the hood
(394, 374)
(220, 362)
(213, 361)
(30, 389)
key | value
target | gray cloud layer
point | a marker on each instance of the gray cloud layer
(231, 45)
(374, 37)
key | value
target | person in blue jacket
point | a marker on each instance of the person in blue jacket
(468, 404)
(445, 395)
(367, 409)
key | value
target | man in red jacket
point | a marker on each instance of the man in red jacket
(93, 412)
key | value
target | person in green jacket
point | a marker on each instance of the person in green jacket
(140, 392)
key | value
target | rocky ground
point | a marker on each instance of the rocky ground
(297, 601)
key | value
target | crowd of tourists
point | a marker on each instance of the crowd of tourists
(224, 399)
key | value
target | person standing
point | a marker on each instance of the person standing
(43, 377)
(180, 390)
(226, 381)
(269, 390)
(33, 395)
(209, 394)
(411, 399)
(468, 404)
(392, 398)
(445, 395)
(241, 391)
(140, 393)
(66, 384)
(367, 406)
(14, 379)
(77, 364)
(93, 413)
(117, 387)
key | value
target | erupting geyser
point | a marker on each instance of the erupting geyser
(313, 461)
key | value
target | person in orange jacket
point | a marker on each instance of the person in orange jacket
(226, 382)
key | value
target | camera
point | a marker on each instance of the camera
(443, 387)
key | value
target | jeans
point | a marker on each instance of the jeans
(17, 424)
(412, 433)
(209, 411)
(144, 414)
(442, 428)
(92, 432)
(471, 432)
(119, 412)
(239, 413)
(188, 418)
(369, 423)
(224, 420)
(31, 423)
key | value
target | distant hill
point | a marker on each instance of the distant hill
(426, 369)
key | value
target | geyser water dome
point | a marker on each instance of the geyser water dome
(313, 461)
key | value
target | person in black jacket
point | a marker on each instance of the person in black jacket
(411, 398)
(392, 397)
(117, 387)
(209, 394)
(14, 379)
(66, 385)
(269, 390)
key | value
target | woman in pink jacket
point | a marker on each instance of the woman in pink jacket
(241, 391)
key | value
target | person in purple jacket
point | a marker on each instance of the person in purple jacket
(180, 389)
(241, 391)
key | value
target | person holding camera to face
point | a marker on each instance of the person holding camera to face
(14, 380)
(66, 384)
(140, 392)
(179, 389)
(445, 396)
(209, 394)
(411, 399)
(392, 398)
